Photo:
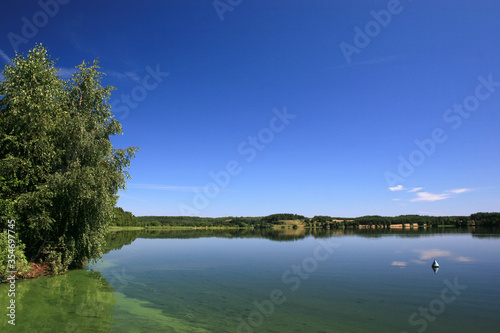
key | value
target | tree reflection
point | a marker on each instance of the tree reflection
(115, 240)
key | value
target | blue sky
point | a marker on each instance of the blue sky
(248, 108)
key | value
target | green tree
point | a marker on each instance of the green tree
(59, 173)
(123, 218)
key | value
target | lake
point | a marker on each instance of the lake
(273, 281)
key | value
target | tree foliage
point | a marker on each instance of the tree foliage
(276, 218)
(321, 219)
(59, 172)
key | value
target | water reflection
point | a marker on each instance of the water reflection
(117, 239)
(485, 232)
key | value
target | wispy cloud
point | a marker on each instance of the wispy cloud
(397, 188)
(167, 187)
(378, 60)
(175, 188)
(426, 196)
(421, 212)
(370, 62)
(125, 75)
(458, 191)
(415, 189)
(132, 198)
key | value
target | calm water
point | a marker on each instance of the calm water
(229, 281)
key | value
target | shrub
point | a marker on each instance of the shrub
(21, 267)
(55, 263)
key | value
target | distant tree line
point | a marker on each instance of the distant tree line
(230, 221)
(486, 219)
(196, 221)
(319, 221)
(478, 219)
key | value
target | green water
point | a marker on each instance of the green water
(283, 281)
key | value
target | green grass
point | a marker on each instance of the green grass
(115, 228)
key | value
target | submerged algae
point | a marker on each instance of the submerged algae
(78, 301)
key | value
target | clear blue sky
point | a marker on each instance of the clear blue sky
(316, 107)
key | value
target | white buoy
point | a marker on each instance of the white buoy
(435, 263)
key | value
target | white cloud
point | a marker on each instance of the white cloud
(396, 199)
(426, 196)
(415, 189)
(397, 188)
(458, 191)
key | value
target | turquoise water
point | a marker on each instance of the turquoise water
(229, 281)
